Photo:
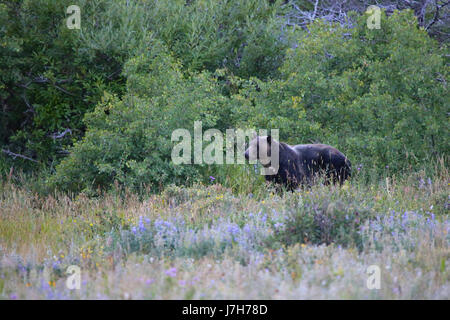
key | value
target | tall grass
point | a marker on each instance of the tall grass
(240, 241)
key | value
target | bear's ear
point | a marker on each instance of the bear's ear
(269, 140)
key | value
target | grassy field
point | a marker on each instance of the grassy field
(206, 242)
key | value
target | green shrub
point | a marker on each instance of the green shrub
(128, 140)
(243, 36)
(52, 75)
(350, 88)
(378, 95)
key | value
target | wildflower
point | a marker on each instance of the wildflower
(172, 272)
(405, 216)
(278, 225)
(212, 178)
(141, 224)
(421, 183)
(233, 229)
(264, 218)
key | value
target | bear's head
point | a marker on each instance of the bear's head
(260, 149)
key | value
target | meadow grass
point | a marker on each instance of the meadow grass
(213, 242)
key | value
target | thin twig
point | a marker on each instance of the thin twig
(16, 155)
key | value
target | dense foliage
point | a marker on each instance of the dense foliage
(48, 80)
(379, 95)
(86, 123)
(111, 93)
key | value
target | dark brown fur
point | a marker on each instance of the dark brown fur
(300, 164)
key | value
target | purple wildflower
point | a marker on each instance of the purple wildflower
(172, 272)
(278, 225)
(233, 229)
(141, 224)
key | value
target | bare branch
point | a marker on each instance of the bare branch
(59, 135)
(16, 155)
(433, 15)
(41, 79)
(436, 13)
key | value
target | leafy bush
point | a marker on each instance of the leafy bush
(380, 96)
(128, 140)
(53, 75)
(243, 36)
(350, 88)
(49, 78)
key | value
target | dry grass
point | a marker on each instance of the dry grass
(206, 242)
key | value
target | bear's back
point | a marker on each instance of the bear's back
(313, 152)
(299, 164)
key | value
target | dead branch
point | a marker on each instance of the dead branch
(16, 155)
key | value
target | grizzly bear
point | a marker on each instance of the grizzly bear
(300, 164)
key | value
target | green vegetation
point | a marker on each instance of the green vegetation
(205, 242)
(112, 93)
(86, 177)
